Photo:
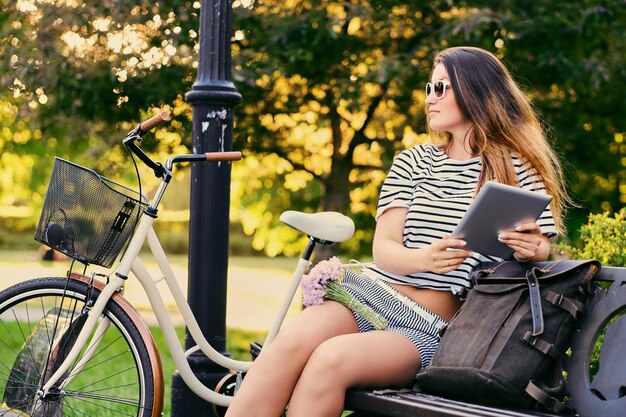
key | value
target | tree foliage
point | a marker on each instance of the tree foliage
(76, 75)
(332, 90)
(343, 81)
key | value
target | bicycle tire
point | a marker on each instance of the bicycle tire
(39, 320)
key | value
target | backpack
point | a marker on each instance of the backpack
(506, 343)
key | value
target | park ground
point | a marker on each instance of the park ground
(255, 286)
(255, 290)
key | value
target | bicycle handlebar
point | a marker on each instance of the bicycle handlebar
(160, 170)
(223, 156)
(154, 121)
(203, 157)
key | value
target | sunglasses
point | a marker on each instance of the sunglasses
(438, 87)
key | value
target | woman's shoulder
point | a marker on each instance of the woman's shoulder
(425, 151)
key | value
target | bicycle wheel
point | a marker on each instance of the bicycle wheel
(39, 323)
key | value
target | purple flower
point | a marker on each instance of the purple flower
(323, 283)
(314, 284)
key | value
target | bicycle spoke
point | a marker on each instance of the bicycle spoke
(104, 379)
(105, 408)
(8, 332)
(27, 346)
(134, 384)
(101, 397)
(97, 364)
(26, 400)
(94, 398)
(14, 378)
(103, 349)
(22, 383)
(14, 351)
(44, 408)
(74, 410)
(56, 329)
(43, 308)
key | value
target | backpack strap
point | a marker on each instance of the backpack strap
(542, 397)
(541, 345)
(535, 300)
(574, 307)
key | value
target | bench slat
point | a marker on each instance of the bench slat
(415, 404)
(611, 273)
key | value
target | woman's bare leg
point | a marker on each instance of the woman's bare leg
(268, 385)
(352, 360)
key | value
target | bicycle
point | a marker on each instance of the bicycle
(67, 340)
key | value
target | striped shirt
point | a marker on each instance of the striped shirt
(437, 191)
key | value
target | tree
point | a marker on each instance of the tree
(344, 80)
(331, 89)
(77, 75)
(572, 59)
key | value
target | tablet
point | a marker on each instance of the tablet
(498, 208)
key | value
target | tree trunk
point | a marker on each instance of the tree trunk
(336, 185)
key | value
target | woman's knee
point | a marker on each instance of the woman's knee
(292, 341)
(329, 366)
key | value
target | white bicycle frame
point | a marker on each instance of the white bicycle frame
(130, 262)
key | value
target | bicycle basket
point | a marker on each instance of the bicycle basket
(86, 216)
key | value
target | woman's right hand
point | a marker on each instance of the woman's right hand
(444, 255)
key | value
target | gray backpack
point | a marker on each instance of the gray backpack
(505, 345)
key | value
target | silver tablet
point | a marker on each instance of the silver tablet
(498, 208)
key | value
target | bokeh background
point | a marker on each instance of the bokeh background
(332, 90)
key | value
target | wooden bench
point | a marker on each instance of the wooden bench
(602, 395)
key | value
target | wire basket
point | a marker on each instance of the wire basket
(86, 216)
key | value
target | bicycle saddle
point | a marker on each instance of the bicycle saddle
(328, 226)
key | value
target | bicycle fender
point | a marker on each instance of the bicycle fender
(155, 357)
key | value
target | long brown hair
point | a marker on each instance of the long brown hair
(503, 123)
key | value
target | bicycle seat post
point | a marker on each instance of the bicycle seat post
(310, 247)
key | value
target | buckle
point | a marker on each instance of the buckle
(560, 300)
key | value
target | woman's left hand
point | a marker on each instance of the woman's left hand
(526, 241)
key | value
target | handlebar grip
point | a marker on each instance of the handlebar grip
(223, 156)
(154, 121)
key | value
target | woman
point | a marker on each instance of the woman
(489, 131)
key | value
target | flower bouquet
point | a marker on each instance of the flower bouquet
(323, 283)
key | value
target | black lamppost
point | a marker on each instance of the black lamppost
(212, 97)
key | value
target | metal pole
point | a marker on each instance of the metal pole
(212, 97)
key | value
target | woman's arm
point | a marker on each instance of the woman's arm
(391, 255)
